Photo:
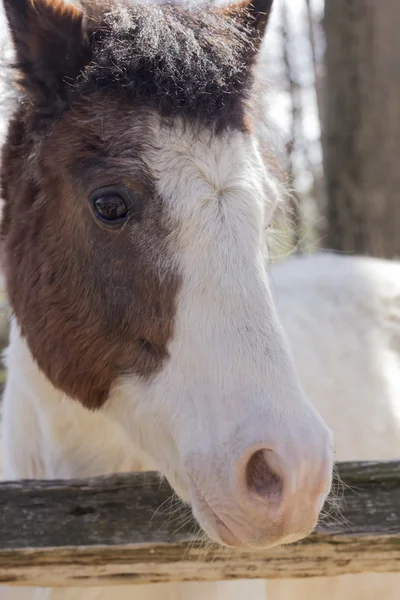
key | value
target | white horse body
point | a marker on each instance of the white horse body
(342, 318)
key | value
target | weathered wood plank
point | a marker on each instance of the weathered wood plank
(124, 529)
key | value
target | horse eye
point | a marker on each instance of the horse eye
(110, 208)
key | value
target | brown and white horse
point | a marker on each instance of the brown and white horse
(135, 202)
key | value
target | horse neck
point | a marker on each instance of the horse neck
(48, 435)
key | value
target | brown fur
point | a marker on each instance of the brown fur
(92, 303)
(95, 303)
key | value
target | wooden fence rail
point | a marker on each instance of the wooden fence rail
(124, 529)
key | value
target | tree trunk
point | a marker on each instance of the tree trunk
(362, 126)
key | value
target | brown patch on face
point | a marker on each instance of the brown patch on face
(92, 302)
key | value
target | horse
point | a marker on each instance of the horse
(136, 194)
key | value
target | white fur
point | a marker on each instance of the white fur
(229, 383)
(342, 317)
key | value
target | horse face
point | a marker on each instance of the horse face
(136, 272)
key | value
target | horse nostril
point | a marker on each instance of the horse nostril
(261, 478)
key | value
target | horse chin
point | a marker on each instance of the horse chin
(215, 529)
(209, 523)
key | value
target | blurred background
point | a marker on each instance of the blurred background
(334, 68)
(333, 72)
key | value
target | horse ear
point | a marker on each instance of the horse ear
(51, 46)
(254, 16)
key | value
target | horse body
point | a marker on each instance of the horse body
(342, 317)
